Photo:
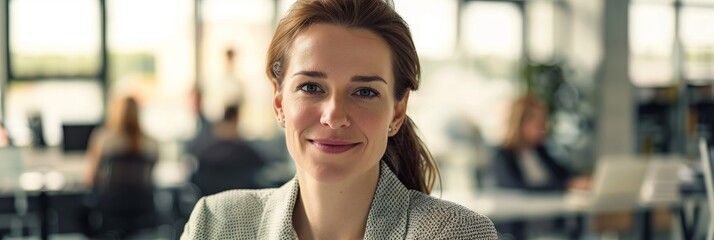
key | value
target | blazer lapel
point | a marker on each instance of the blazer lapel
(276, 222)
(388, 215)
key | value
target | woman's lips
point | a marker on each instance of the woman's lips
(333, 146)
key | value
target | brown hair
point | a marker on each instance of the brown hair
(124, 121)
(406, 154)
(518, 111)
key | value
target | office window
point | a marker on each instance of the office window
(545, 24)
(665, 2)
(245, 28)
(651, 36)
(492, 34)
(283, 6)
(699, 2)
(697, 34)
(152, 56)
(54, 38)
(433, 25)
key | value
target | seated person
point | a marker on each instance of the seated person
(204, 129)
(226, 162)
(522, 162)
(121, 159)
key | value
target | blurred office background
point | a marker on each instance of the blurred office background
(632, 79)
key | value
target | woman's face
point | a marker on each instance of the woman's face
(534, 125)
(337, 101)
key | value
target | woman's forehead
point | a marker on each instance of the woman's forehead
(326, 47)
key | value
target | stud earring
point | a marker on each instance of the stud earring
(390, 129)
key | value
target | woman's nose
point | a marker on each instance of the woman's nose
(334, 114)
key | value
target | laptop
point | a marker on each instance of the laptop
(706, 158)
(661, 183)
(617, 183)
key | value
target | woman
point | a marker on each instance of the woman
(122, 135)
(342, 71)
(522, 162)
(121, 159)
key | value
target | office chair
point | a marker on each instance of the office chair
(225, 165)
(124, 195)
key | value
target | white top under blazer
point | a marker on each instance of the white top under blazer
(396, 213)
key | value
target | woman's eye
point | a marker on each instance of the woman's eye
(366, 93)
(310, 88)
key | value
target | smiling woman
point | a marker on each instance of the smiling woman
(336, 105)
(342, 71)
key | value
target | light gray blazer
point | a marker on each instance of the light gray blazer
(396, 213)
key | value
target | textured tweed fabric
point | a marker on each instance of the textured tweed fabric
(396, 213)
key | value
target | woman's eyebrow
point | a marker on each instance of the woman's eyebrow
(359, 78)
(313, 74)
(368, 79)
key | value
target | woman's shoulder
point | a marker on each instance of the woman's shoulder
(228, 214)
(441, 218)
(239, 200)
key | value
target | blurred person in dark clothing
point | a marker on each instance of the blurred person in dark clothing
(213, 94)
(522, 161)
(204, 127)
(227, 162)
(121, 159)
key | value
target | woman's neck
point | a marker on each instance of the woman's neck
(334, 210)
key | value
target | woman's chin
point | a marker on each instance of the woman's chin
(328, 173)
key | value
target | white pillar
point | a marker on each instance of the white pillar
(616, 102)
(3, 73)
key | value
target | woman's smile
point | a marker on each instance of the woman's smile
(333, 146)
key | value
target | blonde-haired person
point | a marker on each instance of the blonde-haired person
(522, 162)
(342, 71)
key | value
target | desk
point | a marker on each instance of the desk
(504, 206)
(72, 167)
(62, 199)
(512, 205)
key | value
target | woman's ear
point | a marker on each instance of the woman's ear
(278, 103)
(400, 114)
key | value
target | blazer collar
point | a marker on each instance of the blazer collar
(387, 217)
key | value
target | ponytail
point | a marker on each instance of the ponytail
(408, 157)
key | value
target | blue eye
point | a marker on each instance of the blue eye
(310, 88)
(366, 93)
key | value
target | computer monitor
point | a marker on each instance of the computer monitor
(75, 137)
